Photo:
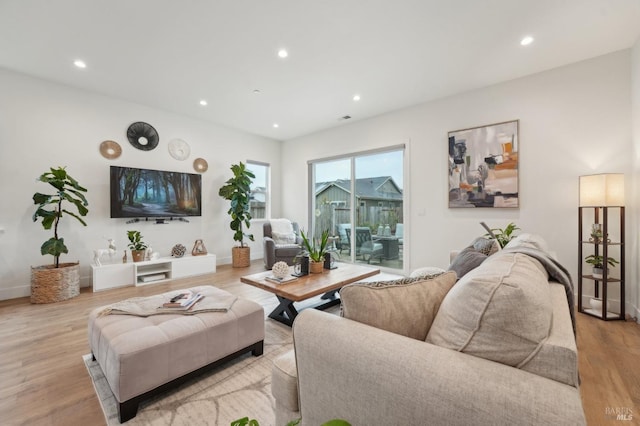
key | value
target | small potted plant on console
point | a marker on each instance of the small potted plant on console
(137, 245)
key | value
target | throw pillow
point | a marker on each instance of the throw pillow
(427, 272)
(501, 311)
(467, 260)
(486, 246)
(406, 306)
(279, 238)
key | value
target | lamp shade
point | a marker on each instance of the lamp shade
(603, 190)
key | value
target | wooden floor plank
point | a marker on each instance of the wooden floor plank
(43, 380)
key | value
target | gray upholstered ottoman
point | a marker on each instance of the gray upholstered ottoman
(141, 356)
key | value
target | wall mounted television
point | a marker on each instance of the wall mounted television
(145, 193)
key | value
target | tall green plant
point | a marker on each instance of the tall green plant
(238, 191)
(50, 208)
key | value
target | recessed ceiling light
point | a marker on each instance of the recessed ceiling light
(526, 41)
(276, 125)
(282, 53)
(256, 91)
(79, 63)
(203, 102)
(356, 98)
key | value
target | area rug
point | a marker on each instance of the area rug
(237, 389)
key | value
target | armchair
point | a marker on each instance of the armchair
(281, 242)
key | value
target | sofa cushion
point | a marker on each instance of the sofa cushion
(405, 306)
(284, 381)
(500, 311)
(466, 261)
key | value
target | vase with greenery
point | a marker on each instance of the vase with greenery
(597, 264)
(315, 248)
(51, 208)
(137, 245)
(237, 190)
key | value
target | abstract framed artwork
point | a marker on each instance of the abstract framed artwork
(483, 166)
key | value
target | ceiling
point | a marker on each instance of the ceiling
(171, 54)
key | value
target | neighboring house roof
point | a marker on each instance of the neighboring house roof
(366, 188)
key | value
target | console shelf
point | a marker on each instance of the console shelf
(151, 271)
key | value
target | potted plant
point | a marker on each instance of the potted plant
(137, 245)
(597, 263)
(238, 191)
(60, 281)
(315, 249)
(502, 236)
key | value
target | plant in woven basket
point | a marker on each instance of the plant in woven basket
(238, 191)
(52, 207)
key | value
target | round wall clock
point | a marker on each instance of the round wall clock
(143, 136)
(179, 149)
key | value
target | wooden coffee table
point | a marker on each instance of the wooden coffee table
(328, 283)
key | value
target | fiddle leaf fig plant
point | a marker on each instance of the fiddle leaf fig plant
(238, 191)
(52, 207)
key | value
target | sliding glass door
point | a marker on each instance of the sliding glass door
(359, 198)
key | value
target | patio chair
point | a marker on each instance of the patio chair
(365, 246)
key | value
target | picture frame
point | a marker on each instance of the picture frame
(484, 166)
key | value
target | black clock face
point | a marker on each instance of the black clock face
(143, 136)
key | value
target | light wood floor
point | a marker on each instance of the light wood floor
(43, 380)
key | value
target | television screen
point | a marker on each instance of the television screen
(141, 193)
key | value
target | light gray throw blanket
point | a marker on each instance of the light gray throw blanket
(147, 306)
(555, 270)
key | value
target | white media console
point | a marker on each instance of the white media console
(115, 275)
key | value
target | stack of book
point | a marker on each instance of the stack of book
(284, 280)
(183, 301)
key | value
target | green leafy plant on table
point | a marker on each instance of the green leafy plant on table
(51, 208)
(315, 248)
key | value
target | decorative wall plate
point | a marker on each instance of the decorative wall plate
(179, 149)
(200, 165)
(143, 136)
(110, 149)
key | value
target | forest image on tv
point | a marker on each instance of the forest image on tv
(154, 193)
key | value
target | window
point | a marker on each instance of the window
(259, 198)
(373, 183)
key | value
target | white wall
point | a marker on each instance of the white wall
(46, 125)
(634, 293)
(574, 120)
